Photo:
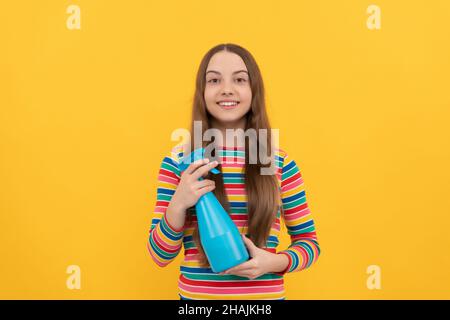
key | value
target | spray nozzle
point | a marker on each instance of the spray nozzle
(195, 155)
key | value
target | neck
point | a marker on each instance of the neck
(238, 124)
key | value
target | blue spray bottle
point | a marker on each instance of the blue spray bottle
(219, 236)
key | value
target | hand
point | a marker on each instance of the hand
(189, 189)
(261, 262)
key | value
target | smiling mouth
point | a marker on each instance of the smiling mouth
(228, 104)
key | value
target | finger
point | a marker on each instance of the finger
(194, 165)
(237, 271)
(204, 190)
(225, 271)
(250, 245)
(204, 169)
(204, 183)
(242, 267)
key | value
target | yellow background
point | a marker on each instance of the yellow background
(86, 117)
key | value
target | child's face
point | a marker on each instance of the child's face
(227, 80)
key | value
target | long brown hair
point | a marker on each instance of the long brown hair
(263, 201)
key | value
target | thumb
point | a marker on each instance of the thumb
(250, 245)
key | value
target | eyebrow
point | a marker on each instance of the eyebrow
(214, 71)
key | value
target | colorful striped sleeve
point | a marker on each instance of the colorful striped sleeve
(304, 248)
(165, 242)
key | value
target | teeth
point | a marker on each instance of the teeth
(228, 103)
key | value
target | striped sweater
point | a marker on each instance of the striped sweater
(200, 283)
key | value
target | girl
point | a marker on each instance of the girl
(230, 95)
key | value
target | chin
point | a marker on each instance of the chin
(230, 121)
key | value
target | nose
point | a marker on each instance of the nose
(227, 89)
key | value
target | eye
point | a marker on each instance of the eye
(213, 80)
(241, 80)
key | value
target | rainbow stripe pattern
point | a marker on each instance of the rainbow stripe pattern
(199, 283)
